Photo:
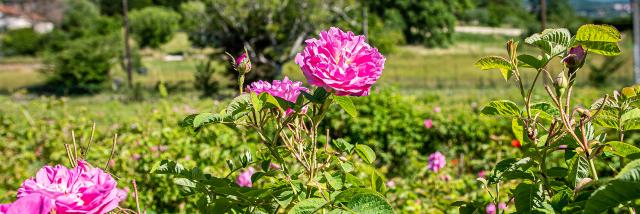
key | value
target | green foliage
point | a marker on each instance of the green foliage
(82, 50)
(273, 30)
(24, 41)
(84, 64)
(204, 78)
(153, 26)
(600, 73)
(570, 129)
(429, 22)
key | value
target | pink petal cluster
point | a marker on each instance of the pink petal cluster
(244, 179)
(285, 89)
(491, 208)
(482, 174)
(428, 123)
(342, 62)
(83, 189)
(436, 161)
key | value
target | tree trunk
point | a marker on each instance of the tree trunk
(127, 48)
(543, 14)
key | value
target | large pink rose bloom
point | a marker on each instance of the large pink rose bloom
(83, 189)
(285, 89)
(341, 62)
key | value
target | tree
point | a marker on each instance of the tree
(272, 31)
(153, 26)
(430, 22)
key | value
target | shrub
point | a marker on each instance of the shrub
(204, 78)
(153, 26)
(23, 41)
(84, 65)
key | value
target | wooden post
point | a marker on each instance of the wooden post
(636, 41)
(127, 48)
(543, 14)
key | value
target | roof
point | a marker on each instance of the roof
(16, 11)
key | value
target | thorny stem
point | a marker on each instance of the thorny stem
(113, 151)
(135, 195)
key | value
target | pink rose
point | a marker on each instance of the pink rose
(83, 189)
(391, 184)
(437, 109)
(244, 179)
(342, 62)
(428, 123)
(491, 208)
(285, 89)
(482, 173)
(436, 161)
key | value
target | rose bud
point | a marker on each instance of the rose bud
(243, 63)
(574, 60)
(560, 83)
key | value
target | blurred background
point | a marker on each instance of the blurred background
(137, 67)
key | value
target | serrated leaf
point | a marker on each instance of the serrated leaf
(342, 145)
(518, 129)
(528, 197)
(551, 41)
(238, 105)
(608, 118)
(531, 61)
(545, 111)
(598, 33)
(361, 200)
(347, 105)
(496, 62)
(501, 108)
(621, 149)
(578, 170)
(206, 118)
(366, 153)
(308, 206)
(624, 187)
(599, 39)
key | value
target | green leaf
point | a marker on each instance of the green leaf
(599, 39)
(607, 118)
(528, 197)
(631, 119)
(624, 187)
(206, 118)
(518, 129)
(496, 62)
(238, 105)
(308, 206)
(621, 149)
(578, 170)
(366, 153)
(332, 181)
(359, 200)
(531, 61)
(256, 102)
(342, 145)
(501, 108)
(318, 97)
(557, 172)
(545, 111)
(551, 41)
(598, 33)
(345, 103)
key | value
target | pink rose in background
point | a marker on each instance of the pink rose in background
(482, 174)
(445, 178)
(244, 179)
(83, 189)
(391, 184)
(342, 62)
(491, 208)
(437, 109)
(428, 123)
(502, 206)
(285, 89)
(436, 161)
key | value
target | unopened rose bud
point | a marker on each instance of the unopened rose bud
(574, 60)
(560, 83)
(343, 158)
(584, 112)
(243, 63)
